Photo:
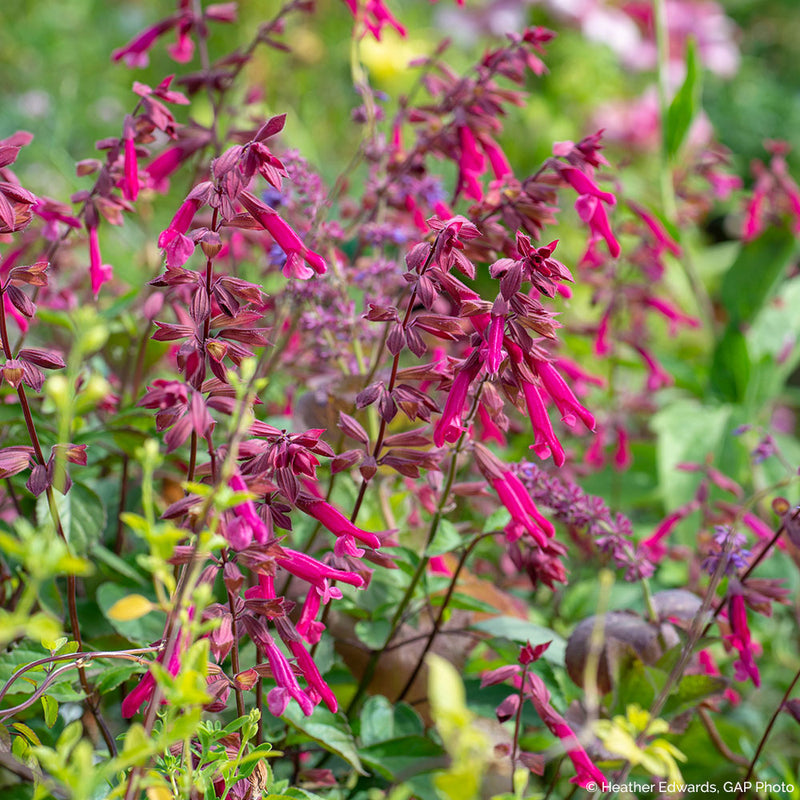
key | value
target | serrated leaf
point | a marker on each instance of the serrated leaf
(330, 731)
(685, 104)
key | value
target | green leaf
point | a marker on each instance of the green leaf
(377, 721)
(373, 633)
(691, 690)
(144, 630)
(114, 674)
(82, 513)
(330, 731)
(117, 564)
(50, 708)
(685, 104)
(464, 602)
(686, 431)
(398, 759)
(521, 631)
(446, 540)
(755, 275)
(497, 520)
(730, 367)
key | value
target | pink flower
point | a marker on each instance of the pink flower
(308, 626)
(653, 544)
(288, 687)
(336, 522)
(247, 524)
(311, 674)
(657, 376)
(587, 772)
(177, 246)
(449, 426)
(546, 442)
(134, 54)
(584, 185)
(130, 183)
(710, 667)
(315, 572)
(591, 210)
(745, 666)
(183, 49)
(674, 316)
(663, 240)
(98, 272)
(144, 691)
(562, 395)
(375, 17)
(497, 158)
(160, 168)
(494, 343)
(285, 238)
(622, 455)
(515, 498)
(471, 164)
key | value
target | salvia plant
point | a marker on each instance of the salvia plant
(421, 475)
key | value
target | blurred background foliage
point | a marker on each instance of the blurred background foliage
(51, 52)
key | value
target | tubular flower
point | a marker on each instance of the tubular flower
(130, 183)
(562, 395)
(144, 691)
(99, 272)
(471, 164)
(546, 442)
(288, 687)
(246, 525)
(286, 238)
(315, 572)
(587, 772)
(740, 639)
(449, 426)
(516, 499)
(333, 519)
(177, 246)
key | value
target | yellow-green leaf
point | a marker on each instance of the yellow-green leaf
(129, 608)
